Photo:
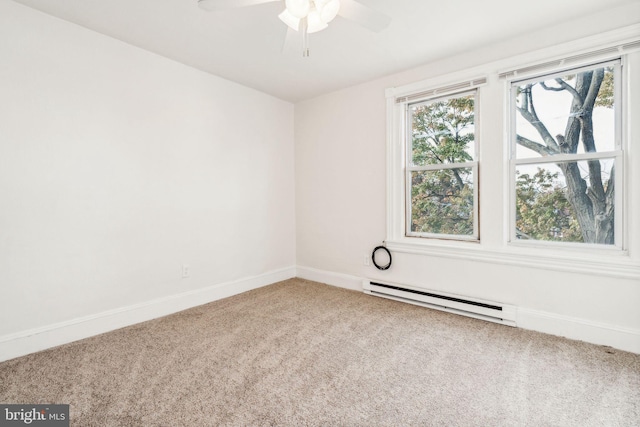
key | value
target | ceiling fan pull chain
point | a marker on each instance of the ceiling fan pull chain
(304, 27)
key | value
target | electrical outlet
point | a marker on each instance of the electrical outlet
(186, 271)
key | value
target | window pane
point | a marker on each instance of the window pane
(442, 131)
(442, 201)
(566, 114)
(566, 202)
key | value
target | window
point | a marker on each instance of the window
(441, 168)
(538, 150)
(566, 157)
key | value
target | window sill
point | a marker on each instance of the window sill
(597, 262)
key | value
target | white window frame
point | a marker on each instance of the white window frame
(473, 165)
(617, 155)
(398, 152)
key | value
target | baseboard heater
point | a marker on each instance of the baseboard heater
(471, 307)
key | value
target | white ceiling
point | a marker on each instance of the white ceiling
(244, 45)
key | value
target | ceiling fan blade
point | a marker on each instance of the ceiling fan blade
(213, 5)
(292, 41)
(364, 15)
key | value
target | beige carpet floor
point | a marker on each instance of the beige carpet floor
(299, 353)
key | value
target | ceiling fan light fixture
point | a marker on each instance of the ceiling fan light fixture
(291, 21)
(328, 9)
(310, 16)
(315, 22)
(298, 8)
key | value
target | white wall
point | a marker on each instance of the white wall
(341, 191)
(117, 166)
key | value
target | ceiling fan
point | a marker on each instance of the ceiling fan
(304, 17)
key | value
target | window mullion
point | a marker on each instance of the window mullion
(441, 166)
(561, 158)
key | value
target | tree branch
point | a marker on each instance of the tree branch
(554, 89)
(579, 110)
(611, 185)
(543, 150)
(563, 86)
(594, 89)
(432, 144)
(528, 112)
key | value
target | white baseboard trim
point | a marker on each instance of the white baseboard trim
(33, 340)
(626, 339)
(330, 278)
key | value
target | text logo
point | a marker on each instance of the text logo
(34, 415)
